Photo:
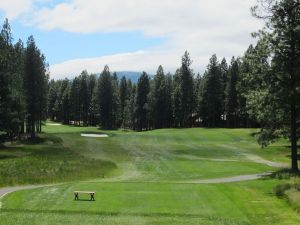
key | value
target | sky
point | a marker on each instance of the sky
(131, 35)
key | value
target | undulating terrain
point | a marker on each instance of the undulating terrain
(167, 176)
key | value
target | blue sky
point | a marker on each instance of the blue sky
(59, 46)
(131, 35)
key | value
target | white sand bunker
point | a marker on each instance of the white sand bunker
(53, 124)
(94, 135)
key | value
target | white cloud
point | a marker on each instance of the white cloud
(134, 61)
(14, 8)
(199, 26)
(153, 17)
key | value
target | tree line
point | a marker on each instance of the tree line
(180, 100)
(23, 87)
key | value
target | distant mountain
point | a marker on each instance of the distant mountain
(133, 76)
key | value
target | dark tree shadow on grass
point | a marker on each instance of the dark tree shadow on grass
(289, 156)
(3, 157)
(282, 174)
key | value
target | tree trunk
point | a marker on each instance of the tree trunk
(32, 130)
(293, 63)
(294, 155)
(23, 127)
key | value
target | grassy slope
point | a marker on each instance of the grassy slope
(163, 156)
(47, 161)
(172, 154)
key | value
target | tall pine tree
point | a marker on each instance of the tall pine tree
(36, 87)
(211, 103)
(141, 103)
(105, 99)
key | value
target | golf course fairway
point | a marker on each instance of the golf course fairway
(167, 176)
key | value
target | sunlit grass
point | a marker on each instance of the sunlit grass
(144, 175)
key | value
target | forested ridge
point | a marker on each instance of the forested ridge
(259, 89)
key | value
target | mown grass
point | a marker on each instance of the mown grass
(170, 154)
(152, 203)
(146, 185)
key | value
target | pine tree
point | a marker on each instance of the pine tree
(212, 95)
(279, 92)
(224, 81)
(65, 101)
(6, 57)
(84, 97)
(200, 100)
(124, 95)
(115, 101)
(243, 86)
(231, 100)
(75, 101)
(94, 107)
(169, 101)
(187, 90)
(105, 99)
(177, 100)
(92, 82)
(129, 110)
(141, 103)
(159, 99)
(52, 96)
(35, 85)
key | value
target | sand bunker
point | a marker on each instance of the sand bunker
(94, 135)
(53, 124)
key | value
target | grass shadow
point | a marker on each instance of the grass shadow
(289, 156)
(106, 129)
(3, 157)
(41, 140)
(288, 146)
(282, 174)
(254, 134)
(11, 147)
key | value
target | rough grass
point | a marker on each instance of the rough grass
(290, 191)
(46, 160)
